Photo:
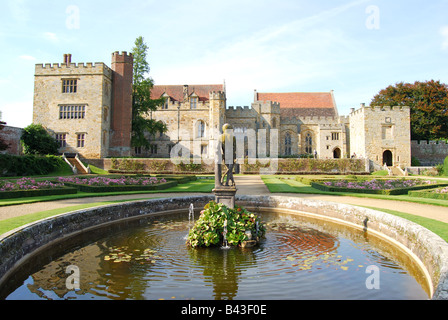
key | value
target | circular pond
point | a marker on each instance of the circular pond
(300, 258)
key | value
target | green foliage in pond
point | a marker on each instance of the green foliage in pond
(208, 230)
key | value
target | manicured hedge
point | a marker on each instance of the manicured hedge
(179, 179)
(429, 194)
(123, 188)
(37, 193)
(397, 191)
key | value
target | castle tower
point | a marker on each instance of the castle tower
(72, 100)
(121, 115)
(381, 134)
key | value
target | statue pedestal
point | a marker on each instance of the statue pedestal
(225, 195)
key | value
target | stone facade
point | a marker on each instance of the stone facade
(294, 123)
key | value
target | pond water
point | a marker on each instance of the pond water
(299, 258)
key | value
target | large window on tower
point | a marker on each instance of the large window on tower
(69, 85)
(72, 112)
(61, 139)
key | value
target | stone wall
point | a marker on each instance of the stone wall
(429, 153)
(11, 135)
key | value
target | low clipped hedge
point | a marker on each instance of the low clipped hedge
(397, 191)
(431, 194)
(179, 179)
(122, 188)
(37, 193)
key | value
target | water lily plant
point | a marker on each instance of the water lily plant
(216, 218)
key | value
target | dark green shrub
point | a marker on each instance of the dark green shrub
(29, 165)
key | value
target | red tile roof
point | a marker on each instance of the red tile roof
(176, 92)
(302, 103)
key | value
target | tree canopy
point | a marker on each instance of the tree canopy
(142, 104)
(428, 102)
(37, 141)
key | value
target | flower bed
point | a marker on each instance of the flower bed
(439, 193)
(375, 186)
(117, 184)
(28, 187)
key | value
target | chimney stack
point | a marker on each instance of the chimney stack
(67, 58)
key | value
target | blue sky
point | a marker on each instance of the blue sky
(355, 48)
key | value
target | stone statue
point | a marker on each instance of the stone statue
(226, 139)
(225, 188)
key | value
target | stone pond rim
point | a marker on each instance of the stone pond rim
(429, 250)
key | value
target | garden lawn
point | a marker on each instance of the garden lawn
(438, 227)
(276, 185)
(16, 222)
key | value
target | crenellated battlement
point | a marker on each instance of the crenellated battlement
(379, 109)
(217, 95)
(122, 57)
(426, 142)
(241, 112)
(266, 106)
(72, 69)
(331, 126)
(238, 108)
(316, 120)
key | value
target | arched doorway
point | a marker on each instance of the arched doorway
(337, 153)
(387, 158)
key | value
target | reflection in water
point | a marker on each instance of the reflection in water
(298, 259)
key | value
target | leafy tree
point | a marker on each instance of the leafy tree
(142, 104)
(37, 141)
(428, 102)
(3, 144)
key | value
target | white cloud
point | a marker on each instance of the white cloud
(27, 57)
(444, 33)
(50, 36)
(18, 113)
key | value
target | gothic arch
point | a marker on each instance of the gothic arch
(337, 154)
(201, 129)
(308, 141)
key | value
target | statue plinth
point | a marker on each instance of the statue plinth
(225, 195)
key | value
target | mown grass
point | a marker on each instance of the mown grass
(16, 222)
(282, 185)
(438, 227)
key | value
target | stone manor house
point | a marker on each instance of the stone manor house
(87, 107)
